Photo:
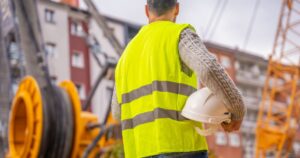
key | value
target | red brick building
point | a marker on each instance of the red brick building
(79, 55)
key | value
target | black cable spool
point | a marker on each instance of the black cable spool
(58, 124)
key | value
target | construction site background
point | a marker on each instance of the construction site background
(66, 30)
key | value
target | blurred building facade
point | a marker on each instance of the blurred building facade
(250, 79)
(248, 71)
(66, 29)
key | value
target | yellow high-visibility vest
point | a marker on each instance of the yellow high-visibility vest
(152, 89)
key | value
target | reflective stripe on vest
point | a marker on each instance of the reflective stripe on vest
(151, 116)
(161, 86)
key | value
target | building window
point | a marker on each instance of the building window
(81, 91)
(255, 70)
(220, 138)
(13, 51)
(15, 87)
(50, 49)
(234, 139)
(77, 28)
(225, 61)
(77, 60)
(53, 79)
(237, 65)
(49, 16)
(259, 93)
(94, 44)
(296, 147)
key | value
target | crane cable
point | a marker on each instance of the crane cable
(212, 17)
(251, 24)
(218, 19)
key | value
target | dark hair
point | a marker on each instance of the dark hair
(160, 7)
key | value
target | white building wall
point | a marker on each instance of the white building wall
(57, 33)
(59, 64)
(101, 100)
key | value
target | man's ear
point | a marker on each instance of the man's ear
(147, 10)
(177, 9)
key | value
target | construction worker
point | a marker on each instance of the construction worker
(154, 77)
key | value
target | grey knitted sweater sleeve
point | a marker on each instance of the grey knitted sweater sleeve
(194, 54)
(115, 107)
(196, 57)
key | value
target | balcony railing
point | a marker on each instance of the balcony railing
(252, 102)
(250, 78)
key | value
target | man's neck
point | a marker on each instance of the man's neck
(160, 18)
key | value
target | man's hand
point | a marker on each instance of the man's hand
(232, 126)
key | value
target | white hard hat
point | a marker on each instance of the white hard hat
(203, 106)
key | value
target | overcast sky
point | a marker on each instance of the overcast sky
(232, 27)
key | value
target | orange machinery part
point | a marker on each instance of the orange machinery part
(74, 3)
(25, 127)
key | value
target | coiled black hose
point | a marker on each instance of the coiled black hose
(58, 124)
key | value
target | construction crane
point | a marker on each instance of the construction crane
(279, 111)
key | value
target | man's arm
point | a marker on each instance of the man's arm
(115, 107)
(194, 54)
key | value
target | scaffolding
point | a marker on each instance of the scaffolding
(279, 111)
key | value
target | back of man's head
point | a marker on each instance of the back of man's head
(160, 7)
